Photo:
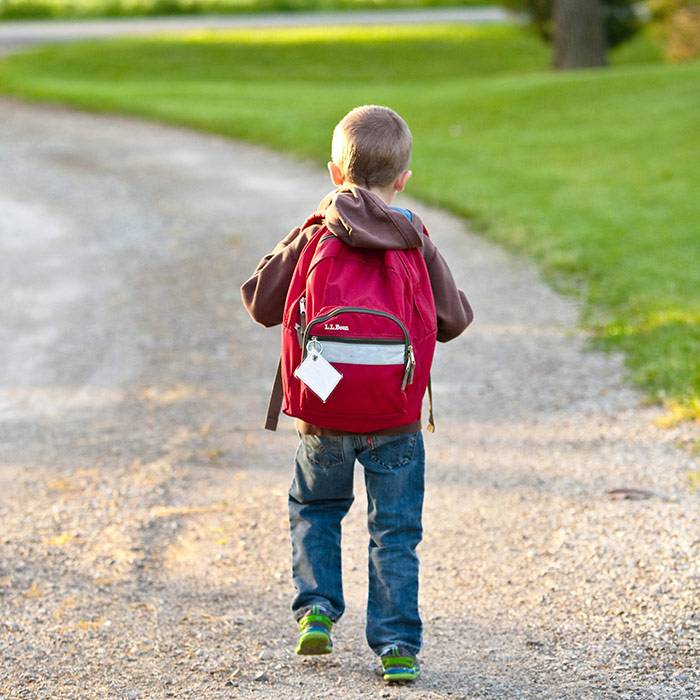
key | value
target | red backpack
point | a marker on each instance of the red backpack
(369, 313)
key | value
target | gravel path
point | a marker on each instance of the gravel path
(144, 540)
(20, 33)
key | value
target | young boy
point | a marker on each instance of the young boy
(370, 154)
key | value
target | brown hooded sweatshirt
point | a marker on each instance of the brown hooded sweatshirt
(361, 219)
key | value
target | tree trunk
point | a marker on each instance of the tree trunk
(578, 34)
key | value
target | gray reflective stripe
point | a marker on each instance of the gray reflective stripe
(363, 353)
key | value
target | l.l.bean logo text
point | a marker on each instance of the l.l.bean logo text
(335, 327)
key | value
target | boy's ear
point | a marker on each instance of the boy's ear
(336, 175)
(401, 180)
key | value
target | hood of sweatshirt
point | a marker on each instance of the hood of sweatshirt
(362, 219)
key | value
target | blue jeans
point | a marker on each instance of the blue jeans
(319, 497)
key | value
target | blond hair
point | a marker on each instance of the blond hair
(371, 146)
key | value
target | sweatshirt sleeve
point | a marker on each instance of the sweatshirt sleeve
(265, 293)
(454, 312)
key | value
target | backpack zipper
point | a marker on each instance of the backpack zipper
(360, 341)
(409, 357)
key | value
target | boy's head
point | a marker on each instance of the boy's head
(371, 148)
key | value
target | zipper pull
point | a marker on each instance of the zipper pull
(301, 326)
(410, 367)
(314, 348)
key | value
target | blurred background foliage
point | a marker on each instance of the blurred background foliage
(676, 23)
(620, 18)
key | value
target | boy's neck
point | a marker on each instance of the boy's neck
(386, 194)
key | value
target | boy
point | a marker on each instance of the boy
(370, 154)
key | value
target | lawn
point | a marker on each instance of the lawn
(594, 174)
(33, 9)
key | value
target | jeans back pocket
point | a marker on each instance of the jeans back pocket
(393, 451)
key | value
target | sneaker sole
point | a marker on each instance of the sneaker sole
(314, 643)
(402, 676)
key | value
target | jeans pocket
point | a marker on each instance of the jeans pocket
(394, 450)
(322, 451)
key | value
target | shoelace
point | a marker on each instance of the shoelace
(392, 650)
(397, 658)
(310, 620)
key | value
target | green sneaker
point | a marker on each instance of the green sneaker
(399, 665)
(314, 633)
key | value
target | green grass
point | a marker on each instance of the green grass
(65, 9)
(593, 173)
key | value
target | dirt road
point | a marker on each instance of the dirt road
(144, 537)
(18, 34)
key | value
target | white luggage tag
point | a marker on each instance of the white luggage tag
(317, 373)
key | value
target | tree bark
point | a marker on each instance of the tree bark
(579, 41)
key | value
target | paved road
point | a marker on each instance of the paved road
(21, 33)
(144, 545)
